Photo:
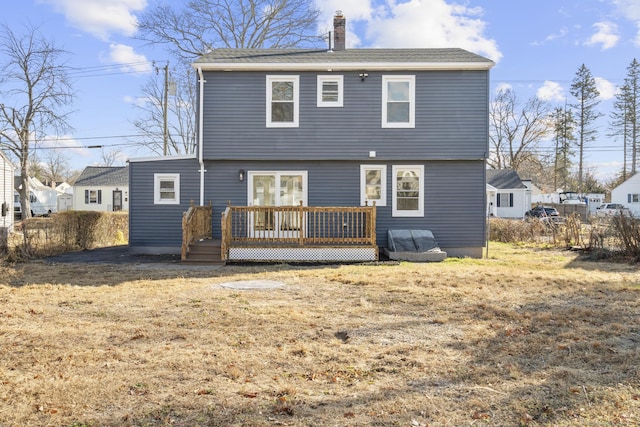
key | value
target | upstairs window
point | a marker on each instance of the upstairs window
(282, 101)
(166, 189)
(398, 101)
(330, 91)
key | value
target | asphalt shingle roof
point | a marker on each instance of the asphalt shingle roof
(323, 56)
(504, 179)
(103, 175)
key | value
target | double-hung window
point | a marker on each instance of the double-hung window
(330, 91)
(408, 190)
(373, 185)
(398, 101)
(92, 197)
(166, 189)
(633, 198)
(505, 200)
(283, 101)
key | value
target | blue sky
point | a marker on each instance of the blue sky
(537, 46)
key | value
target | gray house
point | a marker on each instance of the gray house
(404, 129)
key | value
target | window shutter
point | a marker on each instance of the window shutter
(86, 197)
(510, 200)
(99, 197)
(628, 198)
(498, 199)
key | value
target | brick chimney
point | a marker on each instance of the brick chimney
(339, 30)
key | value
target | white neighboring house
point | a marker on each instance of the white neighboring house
(6, 195)
(102, 188)
(628, 194)
(508, 196)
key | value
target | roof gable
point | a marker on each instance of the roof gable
(504, 179)
(103, 176)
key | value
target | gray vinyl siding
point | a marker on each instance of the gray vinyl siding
(451, 119)
(454, 195)
(159, 226)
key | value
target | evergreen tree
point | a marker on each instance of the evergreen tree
(563, 129)
(583, 88)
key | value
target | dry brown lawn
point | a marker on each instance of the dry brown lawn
(526, 337)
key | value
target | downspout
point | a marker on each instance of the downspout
(201, 81)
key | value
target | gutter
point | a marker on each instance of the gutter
(344, 66)
(201, 82)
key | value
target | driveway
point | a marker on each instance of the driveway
(111, 255)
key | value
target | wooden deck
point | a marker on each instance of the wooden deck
(286, 233)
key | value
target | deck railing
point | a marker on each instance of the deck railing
(196, 225)
(298, 226)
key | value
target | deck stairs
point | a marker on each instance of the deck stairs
(204, 252)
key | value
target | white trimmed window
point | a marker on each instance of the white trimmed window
(398, 101)
(408, 190)
(373, 185)
(166, 189)
(283, 101)
(330, 91)
(633, 198)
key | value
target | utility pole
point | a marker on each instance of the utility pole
(165, 107)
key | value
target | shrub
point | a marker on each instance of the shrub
(68, 231)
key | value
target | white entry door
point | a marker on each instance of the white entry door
(276, 189)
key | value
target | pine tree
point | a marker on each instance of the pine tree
(563, 129)
(583, 88)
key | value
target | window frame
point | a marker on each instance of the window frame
(364, 201)
(633, 198)
(411, 79)
(87, 197)
(321, 79)
(508, 196)
(157, 179)
(295, 79)
(394, 191)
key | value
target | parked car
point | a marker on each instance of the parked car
(611, 209)
(541, 212)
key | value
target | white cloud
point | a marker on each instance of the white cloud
(551, 91)
(415, 23)
(100, 17)
(607, 89)
(606, 35)
(503, 87)
(128, 58)
(138, 101)
(630, 9)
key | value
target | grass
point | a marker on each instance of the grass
(525, 337)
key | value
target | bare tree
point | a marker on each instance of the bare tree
(35, 87)
(204, 25)
(181, 127)
(109, 158)
(55, 167)
(516, 130)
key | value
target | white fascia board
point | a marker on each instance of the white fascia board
(343, 66)
(161, 158)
